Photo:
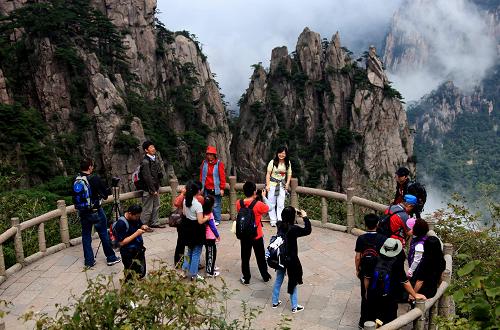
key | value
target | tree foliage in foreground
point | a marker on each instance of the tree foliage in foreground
(476, 265)
(162, 300)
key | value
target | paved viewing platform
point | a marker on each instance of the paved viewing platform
(330, 293)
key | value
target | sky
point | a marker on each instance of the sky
(236, 34)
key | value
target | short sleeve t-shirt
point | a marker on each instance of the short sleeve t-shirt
(190, 212)
(372, 240)
(258, 210)
(280, 172)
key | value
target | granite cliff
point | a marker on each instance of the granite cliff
(343, 122)
(96, 78)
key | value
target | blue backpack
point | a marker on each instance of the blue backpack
(81, 193)
(112, 232)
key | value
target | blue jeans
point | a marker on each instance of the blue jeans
(192, 260)
(217, 206)
(280, 275)
(102, 229)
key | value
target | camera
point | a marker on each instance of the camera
(259, 195)
(115, 181)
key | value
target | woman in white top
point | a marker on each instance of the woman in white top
(193, 229)
(279, 174)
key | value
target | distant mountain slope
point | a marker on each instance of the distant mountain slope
(457, 139)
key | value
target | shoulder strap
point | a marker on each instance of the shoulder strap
(124, 220)
(252, 204)
(242, 204)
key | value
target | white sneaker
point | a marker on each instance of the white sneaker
(297, 309)
(197, 278)
(215, 274)
(216, 268)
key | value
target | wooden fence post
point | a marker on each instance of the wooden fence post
(445, 300)
(174, 184)
(232, 197)
(431, 223)
(324, 210)
(42, 245)
(432, 316)
(2, 261)
(420, 322)
(18, 241)
(350, 210)
(63, 222)
(294, 199)
(448, 249)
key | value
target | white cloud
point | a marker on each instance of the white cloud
(236, 34)
(460, 48)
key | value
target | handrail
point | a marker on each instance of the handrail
(62, 211)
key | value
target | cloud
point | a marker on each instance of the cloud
(459, 46)
(237, 34)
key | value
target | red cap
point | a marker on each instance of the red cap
(211, 150)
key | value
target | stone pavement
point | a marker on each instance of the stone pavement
(330, 292)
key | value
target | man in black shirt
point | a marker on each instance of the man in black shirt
(128, 231)
(151, 176)
(367, 247)
(402, 181)
(95, 217)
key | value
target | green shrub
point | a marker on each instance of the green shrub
(159, 301)
(475, 279)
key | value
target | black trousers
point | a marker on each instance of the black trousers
(246, 252)
(210, 255)
(134, 261)
(367, 312)
(179, 251)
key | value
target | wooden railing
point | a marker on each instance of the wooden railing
(62, 212)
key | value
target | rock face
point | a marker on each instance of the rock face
(342, 130)
(154, 84)
(375, 69)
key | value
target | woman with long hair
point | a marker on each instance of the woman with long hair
(279, 174)
(193, 230)
(428, 273)
(416, 251)
(288, 229)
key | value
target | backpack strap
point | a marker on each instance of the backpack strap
(390, 214)
(252, 204)
(242, 204)
(125, 221)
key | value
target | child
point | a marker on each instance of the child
(212, 236)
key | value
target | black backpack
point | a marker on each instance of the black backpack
(380, 284)
(245, 221)
(276, 255)
(418, 190)
(368, 260)
(384, 224)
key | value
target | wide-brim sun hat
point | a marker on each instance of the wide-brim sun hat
(391, 248)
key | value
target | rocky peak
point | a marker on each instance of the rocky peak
(335, 56)
(341, 130)
(375, 69)
(310, 53)
(280, 58)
